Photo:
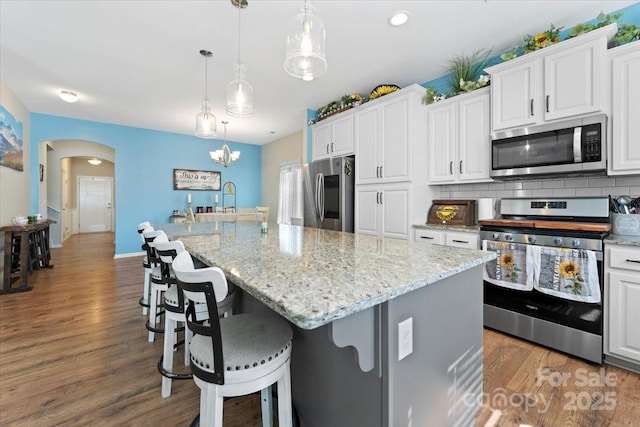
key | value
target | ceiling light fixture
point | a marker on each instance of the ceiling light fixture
(225, 155)
(68, 96)
(305, 56)
(94, 161)
(239, 91)
(399, 18)
(206, 120)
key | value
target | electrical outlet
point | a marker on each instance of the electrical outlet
(405, 338)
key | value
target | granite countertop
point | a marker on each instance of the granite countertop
(311, 276)
(619, 239)
(449, 227)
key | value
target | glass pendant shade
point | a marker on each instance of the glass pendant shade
(305, 56)
(239, 94)
(206, 122)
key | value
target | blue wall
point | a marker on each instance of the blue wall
(144, 163)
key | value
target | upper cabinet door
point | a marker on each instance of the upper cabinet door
(513, 93)
(342, 142)
(474, 145)
(625, 108)
(321, 141)
(443, 140)
(572, 81)
(396, 140)
(367, 135)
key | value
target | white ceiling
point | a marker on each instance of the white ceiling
(136, 62)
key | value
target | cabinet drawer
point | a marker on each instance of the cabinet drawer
(429, 236)
(626, 258)
(462, 240)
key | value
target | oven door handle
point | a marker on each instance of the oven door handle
(577, 144)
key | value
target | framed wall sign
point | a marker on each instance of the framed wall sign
(187, 179)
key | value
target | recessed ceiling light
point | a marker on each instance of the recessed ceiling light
(68, 96)
(399, 18)
(94, 161)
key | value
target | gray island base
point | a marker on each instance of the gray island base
(347, 297)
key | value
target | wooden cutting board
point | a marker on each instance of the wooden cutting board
(556, 225)
(579, 226)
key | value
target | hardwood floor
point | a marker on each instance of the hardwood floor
(74, 352)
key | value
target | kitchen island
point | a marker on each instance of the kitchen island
(347, 297)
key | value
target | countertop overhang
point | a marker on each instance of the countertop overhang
(312, 276)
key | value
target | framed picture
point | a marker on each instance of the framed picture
(187, 179)
(41, 172)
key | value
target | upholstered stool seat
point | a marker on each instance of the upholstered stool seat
(235, 355)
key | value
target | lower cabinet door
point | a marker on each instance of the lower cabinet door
(624, 314)
(395, 216)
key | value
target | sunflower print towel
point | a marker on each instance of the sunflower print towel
(567, 273)
(510, 269)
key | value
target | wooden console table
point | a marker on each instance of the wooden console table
(32, 252)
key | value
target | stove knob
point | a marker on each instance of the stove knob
(575, 243)
(495, 236)
(557, 241)
(531, 239)
(508, 237)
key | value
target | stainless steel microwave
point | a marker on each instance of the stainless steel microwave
(574, 147)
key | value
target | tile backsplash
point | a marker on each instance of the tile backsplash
(571, 187)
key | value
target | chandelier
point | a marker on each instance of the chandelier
(206, 120)
(305, 57)
(239, 91)
(225, 155)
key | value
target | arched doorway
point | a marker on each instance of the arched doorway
(61, 197)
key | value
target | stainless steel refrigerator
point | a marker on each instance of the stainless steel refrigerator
(328, 193)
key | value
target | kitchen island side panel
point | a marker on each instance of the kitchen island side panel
(440, 382)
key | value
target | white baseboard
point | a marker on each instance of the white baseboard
(129, 255)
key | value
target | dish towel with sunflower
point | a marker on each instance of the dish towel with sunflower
(512, 268)
(567, 273)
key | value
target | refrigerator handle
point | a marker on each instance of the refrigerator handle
(317, 193)
(321, 197)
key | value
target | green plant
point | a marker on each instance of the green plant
(432, 96)
(585, 27)
(467, 68)
(626, 33)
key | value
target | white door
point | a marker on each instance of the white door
(94, 203)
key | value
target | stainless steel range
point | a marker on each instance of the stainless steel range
(546, 285)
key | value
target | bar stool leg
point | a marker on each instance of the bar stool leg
(267, 407)
(167, 357)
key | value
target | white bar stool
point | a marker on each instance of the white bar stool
(235, 355)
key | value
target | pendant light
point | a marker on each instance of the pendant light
(305, 57)
(239, 91)
(224, 155)
(206, 120)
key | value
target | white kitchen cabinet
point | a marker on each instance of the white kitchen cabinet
(382, 211)
(429, 236)
(447, 237)
(385, 130)
(622, 309)
(333, 136)
(461, 239)
(459, 144)
(624, 150)
(559, 81)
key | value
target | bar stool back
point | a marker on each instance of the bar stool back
(157, 285)
(144, 300)
(235, 355)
